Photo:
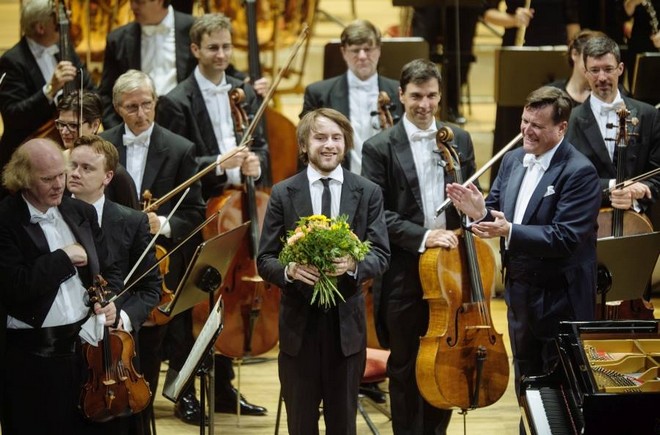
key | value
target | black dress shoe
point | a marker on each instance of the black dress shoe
(373, 391)
(225, 402)
(187, 410)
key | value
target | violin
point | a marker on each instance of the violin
(114, 388)
(462, 362)
(156, 317)
(614, 222)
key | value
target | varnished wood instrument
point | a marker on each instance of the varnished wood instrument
(520, 33)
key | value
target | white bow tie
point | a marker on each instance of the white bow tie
(530, 160)
(52, 50)
(49, 217)
(422, 135)
(155, 29)
(141, 140)
(219, 90)
(607, 108)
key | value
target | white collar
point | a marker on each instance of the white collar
(206, 84)
(353, 81)
(412, 128)
(597, 104)
(545, 158)
(145, 134)
(313, 175)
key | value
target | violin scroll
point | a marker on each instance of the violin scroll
(384, 111)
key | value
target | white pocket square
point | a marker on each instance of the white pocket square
(549, 191)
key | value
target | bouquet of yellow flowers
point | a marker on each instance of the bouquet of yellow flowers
(317, 241)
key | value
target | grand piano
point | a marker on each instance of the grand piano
(607, 381)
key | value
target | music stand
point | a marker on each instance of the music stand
(625, 264)
(202, 278)
(645, 84)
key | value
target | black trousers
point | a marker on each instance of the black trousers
(321, 373)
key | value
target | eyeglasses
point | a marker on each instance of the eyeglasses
(71, 126)
(356, 50)
(147, 106)
(608, 70)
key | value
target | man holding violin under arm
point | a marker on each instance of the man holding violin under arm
(51, 249)
(158, 161)
(200, 109)
(92, 165)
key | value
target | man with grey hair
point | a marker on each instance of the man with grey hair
(158, 161)
(35, 76)
(51, 250)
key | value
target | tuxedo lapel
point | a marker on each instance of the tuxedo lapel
(340, 91)
(155, 157)
(82, 232)
(133, 43)
(350, 197)
(549, 177)
(33, 67)
(201, 114)
(182, 53)
(301, 198)
(589, 127)
(513, 187)
(404, 156)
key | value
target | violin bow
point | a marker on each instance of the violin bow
(153, 239)
(632, 180)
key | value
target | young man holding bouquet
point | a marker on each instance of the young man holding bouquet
(323, 346)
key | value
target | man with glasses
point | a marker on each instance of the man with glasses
(159, 161)
(35, 76)
(592, 129)
(157, 43)
(199, 109)
(355, 93)
(121, 188)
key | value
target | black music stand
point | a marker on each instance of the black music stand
(645, 86)
(625, 265)
(202, 278)
(395, 53)
(514, 80)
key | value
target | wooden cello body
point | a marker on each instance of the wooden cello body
(462, 362)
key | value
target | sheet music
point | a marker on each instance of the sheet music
(204, 341)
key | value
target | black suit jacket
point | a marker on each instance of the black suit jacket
(183, 111)
(127, 235)
(23, 105)
(170, 162)
(290, 200)
(642, 152)
(555, 244)
(388, 161)
(30, 275)
(122, 52)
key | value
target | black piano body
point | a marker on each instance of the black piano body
(606, 382)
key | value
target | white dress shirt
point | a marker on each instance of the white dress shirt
(363, 101)
(46, 61)
(158, 53)
(605, 113)
(216, 99)
(536, 167)
(316, 189)
(68, 306)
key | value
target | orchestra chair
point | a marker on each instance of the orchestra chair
(394, 54)
(375, 371)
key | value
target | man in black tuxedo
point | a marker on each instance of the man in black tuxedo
(35, 77)
(402, 161)
(158, 161)
(323, 351)
(355, 93)
(588, 129)
(157, 42)
(92, 165)
(543, 206)
(51, 249)
(199, 109)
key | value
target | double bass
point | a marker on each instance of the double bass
(615, 222)
(462, 362)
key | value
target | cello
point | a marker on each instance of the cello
(114, 388)
(615, 222)
(462, 362)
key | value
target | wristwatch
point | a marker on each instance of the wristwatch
(49, 90)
